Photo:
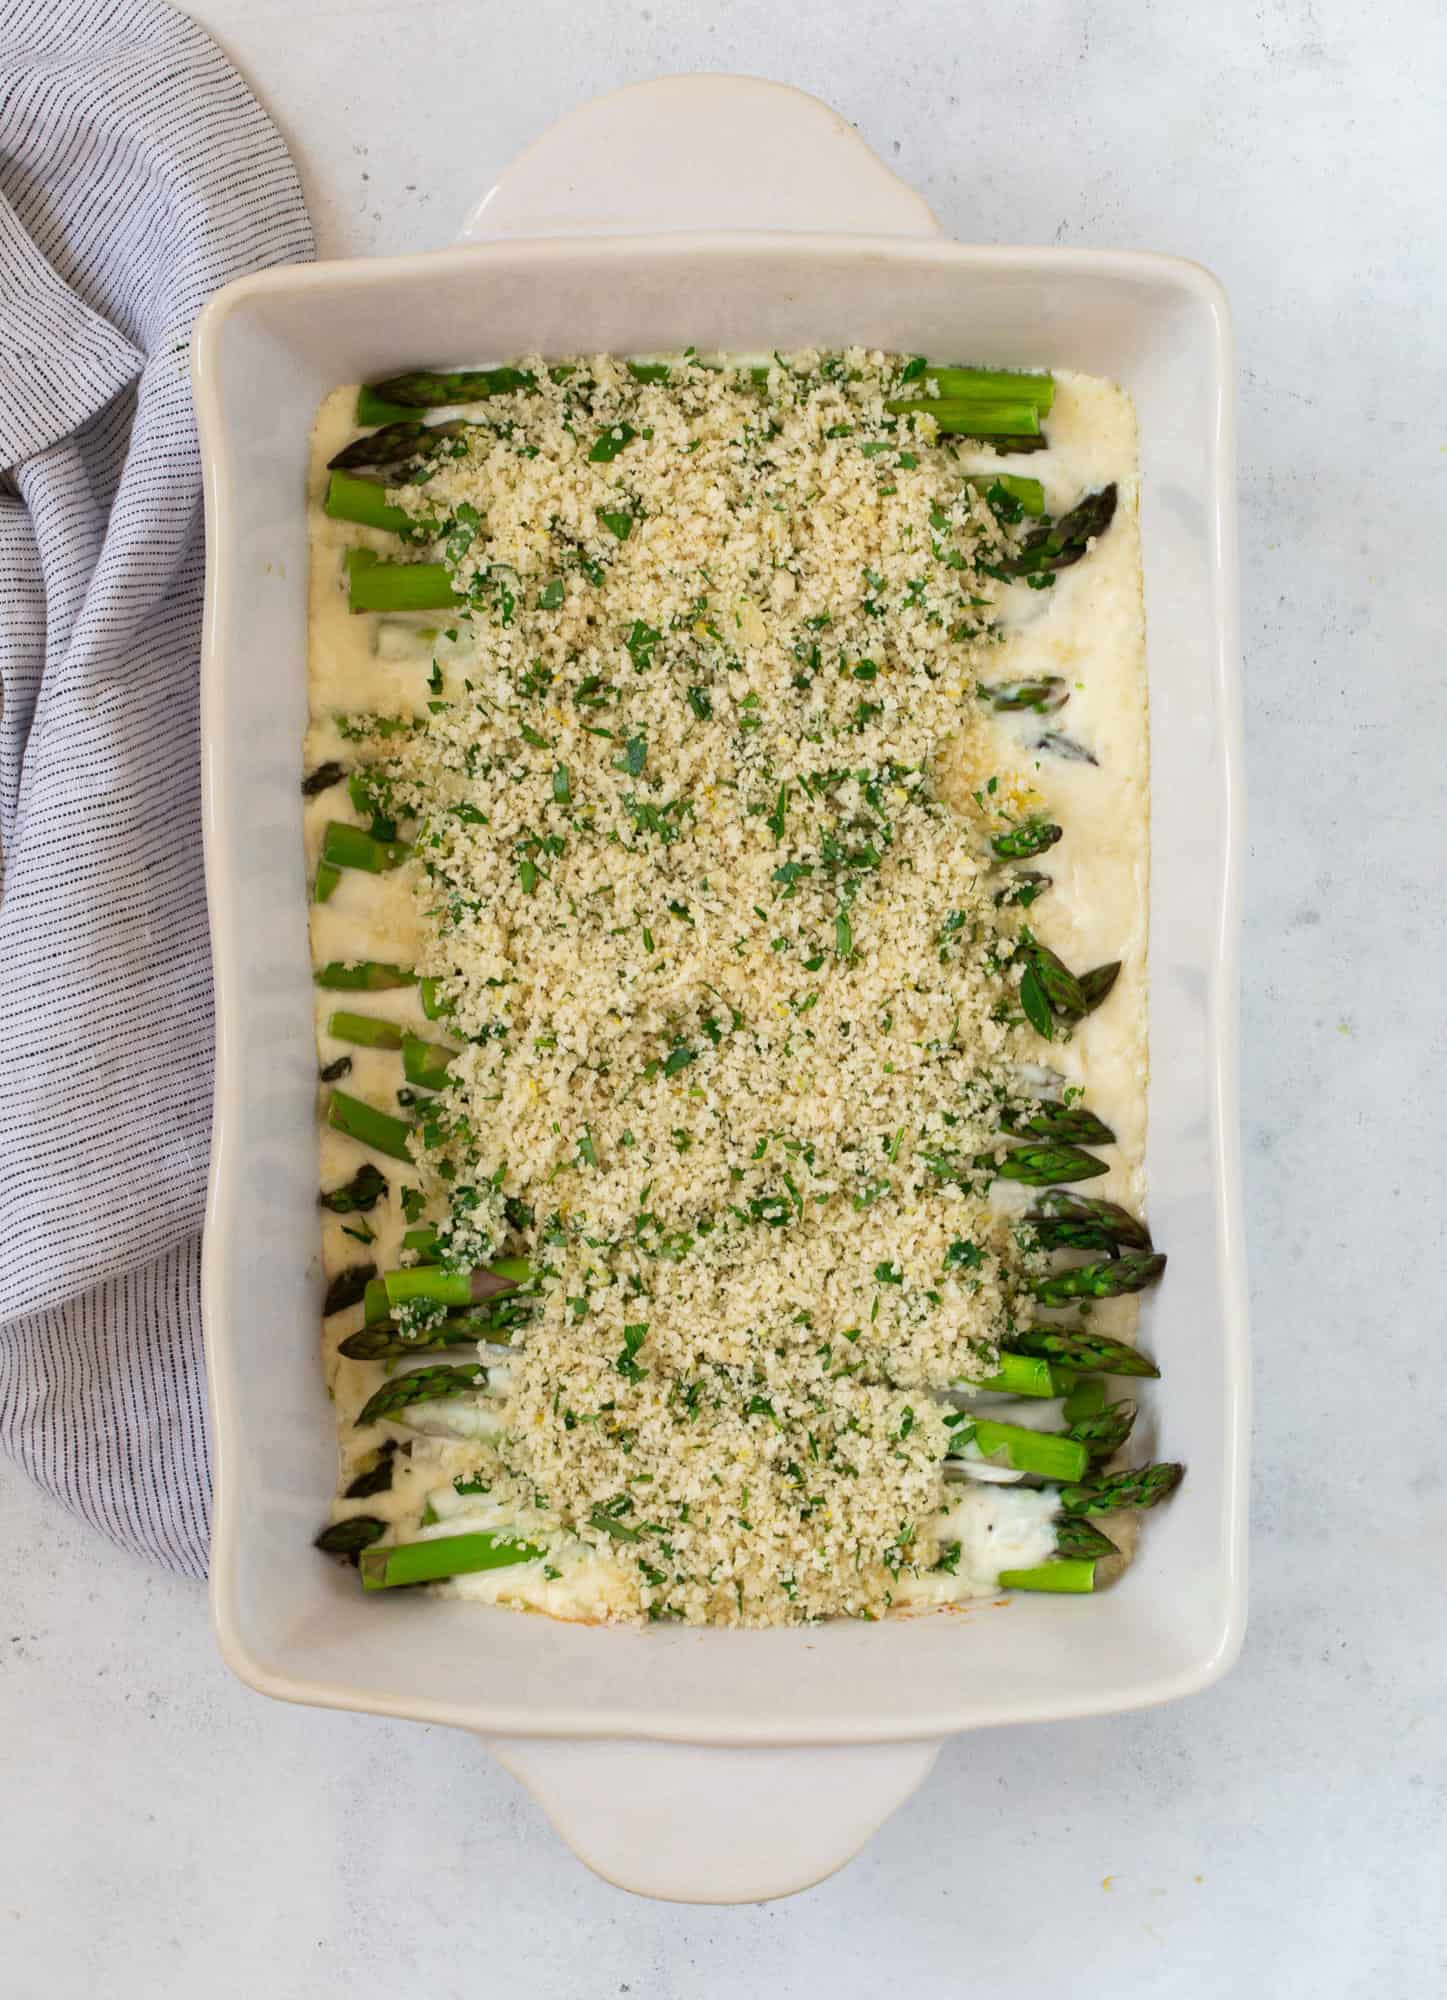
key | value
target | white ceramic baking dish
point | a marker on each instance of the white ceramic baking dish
(707, 1765)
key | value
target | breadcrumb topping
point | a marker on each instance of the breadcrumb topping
(704, 802)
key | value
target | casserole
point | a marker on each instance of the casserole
(756, 1709)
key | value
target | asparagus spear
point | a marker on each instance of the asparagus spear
(1064, 1221)
(346, 1288)
(366, 975)
(1041, 696)
(425, 1063)
(446, 1555)
(455, 1288)
(1045, 1454)
(346, 846)
(1096, 983)
(365, 1030)
(434, 1005)
(396, 443)
(1141, 1486)
(422, 1385)
(1022, 1375)
(1026, 887)
(994, 384)
(426, 389)
(348, 1538)
(1107, 1430)
(1044, 1166)
(321, 779)
(1059, 983)
(377, 1476)
(1075, 1536)
(1073, 1347)
(1079, 1546)
(360, 1194)
(1110, 1280)
(1029, 837)
(1056, 744)
(974, 416)
(371, 1127)
(1027, 495)
(1087, 1398)
(384, 1340)
(374, 409)
(375, 585)
(1070, 1575)
(1055, 546)
(1070, 1122)
(350, 498)
(327, 880)
(375, 1305)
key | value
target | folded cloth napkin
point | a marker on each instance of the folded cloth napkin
(137, 174)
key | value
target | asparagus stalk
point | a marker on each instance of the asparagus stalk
(1087, 1398)
(327, 879)
(1073, 1347)
(446, 1555)
(376, 1477)
(374, 409)
(1057, 545)
(1041, 696)
(1025, 887)
(1064, 1221)
(346, 1288)
(346, 846)
(1027, 494)
(1045, 1166)
(369, 1126)
(350, 498)
(1110, 1280)
(1075, 1536)
(1044, 1454)
(974, 416)
(375, 1307)
(366, 975)
(1055, 744)
(1096, 983)
(397, 443)
(1022, 1375)
(422, 1385)
(1139, 1487)
(427, 389)
(365, 1030)
(1059, 983)
(360, 1194)
(321, 780)
(375, 585)
(384, 1340)
(1072, 1123)
(434, 1005)
(1106, 1431)
(348, 1538)
(1029, 837)
(1069, 1575)
(994, 384)
(423, 1242)
(425, 1063)
(455, 1288)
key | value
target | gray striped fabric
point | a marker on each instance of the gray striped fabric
(137, 174)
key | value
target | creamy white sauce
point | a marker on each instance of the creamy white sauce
(1089, 628)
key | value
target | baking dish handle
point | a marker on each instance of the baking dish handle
(694, 1825)
(698, 153)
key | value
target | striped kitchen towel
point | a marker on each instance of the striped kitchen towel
(137, 174)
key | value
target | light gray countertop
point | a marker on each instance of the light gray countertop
(167, 1832)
